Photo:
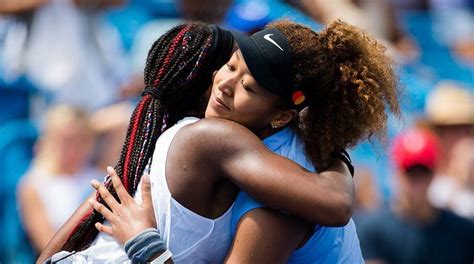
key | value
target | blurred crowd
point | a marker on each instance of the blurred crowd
(71, 71)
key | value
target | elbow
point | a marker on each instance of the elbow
(334, 204)
(343, 210)
(337, 215)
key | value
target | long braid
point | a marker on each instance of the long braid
(173, 65)
(171, 50)
(136, 122)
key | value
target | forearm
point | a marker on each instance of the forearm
(325, 199)
(60, 238)
(15, 6)
(342, 190)
(99, 4)
(267, 236)
(273, 180)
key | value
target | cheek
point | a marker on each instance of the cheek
(257, 104)
(218, 75)
(255, 110)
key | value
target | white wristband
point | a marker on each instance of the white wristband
(163, 257)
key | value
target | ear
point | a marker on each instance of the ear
(284, 118)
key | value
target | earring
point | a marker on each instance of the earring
(274, 126)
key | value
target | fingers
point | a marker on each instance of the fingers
(146, 191)
(104, 228)
(118, 186)
(105, 194)
(102, 210)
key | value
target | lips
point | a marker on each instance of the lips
(220, 103)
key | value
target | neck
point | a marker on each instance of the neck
(195, 113)
(268, 131)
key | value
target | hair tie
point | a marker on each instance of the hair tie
(154, 92)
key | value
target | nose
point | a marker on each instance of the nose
(227, 85)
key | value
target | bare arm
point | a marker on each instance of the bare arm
(58, 240)
(325, 198)
(100, 4)
(18, 6)
(266, 236)
(34, 216)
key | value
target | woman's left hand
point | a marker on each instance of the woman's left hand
(127, 218)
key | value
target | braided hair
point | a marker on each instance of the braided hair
(178, 72)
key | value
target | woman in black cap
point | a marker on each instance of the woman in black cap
(300, 91)
(327, 91)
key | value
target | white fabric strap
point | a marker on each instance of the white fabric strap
(163, 257)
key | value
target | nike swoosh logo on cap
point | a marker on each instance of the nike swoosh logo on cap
(267, 37)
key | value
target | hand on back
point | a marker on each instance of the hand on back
(126, 217)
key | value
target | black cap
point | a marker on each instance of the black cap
(269, 58)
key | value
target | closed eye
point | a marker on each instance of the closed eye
(247, 88)
(230, 67)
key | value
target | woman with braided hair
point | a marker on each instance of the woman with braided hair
(308, 95)
(179, 70)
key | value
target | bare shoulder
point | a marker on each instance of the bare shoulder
(220, 127)
(214, 134)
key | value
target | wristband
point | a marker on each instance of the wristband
(145, 245)
(162, 258)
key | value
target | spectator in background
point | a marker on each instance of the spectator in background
(207, 11)
(410, 230)
(367, 195)
(378, 18)
(65, 49)
(110, 126)
(53, 186)
(450, 111)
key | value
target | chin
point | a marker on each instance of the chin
(210, 113)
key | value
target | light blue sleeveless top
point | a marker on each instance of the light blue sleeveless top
(327, 244)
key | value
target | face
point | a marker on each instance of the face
(72, 147)
(236, 96)
(416, 181)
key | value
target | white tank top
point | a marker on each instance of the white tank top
(191, 238)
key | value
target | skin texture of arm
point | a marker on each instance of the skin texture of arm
(267, 236)
(58, 240)
(226, 149)
(15, 6)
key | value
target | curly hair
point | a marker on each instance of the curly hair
(348, 79)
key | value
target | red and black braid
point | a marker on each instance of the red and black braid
(175, 67)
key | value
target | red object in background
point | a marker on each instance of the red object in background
(415, 147)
